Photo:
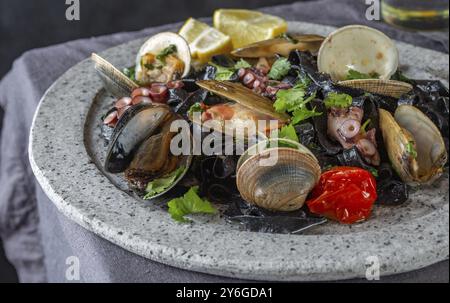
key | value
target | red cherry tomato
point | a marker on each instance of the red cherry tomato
(344, 194)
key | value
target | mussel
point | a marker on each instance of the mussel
(163, 58)
(114, 81)
(367, 51)
(414, 145)
(281, 46)
(245, 107)
(281, 183)
(140, 145)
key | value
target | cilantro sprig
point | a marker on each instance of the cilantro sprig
(280, 69)
(190, 203)
(159, 185)
(338, 100)
(355, 75)
(293, 101)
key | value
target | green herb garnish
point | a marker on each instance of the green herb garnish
(373, 171)
(190, 203)
(355, 75)
(364, 126)
(159, 185)
(130, 72)
(338, 100)
(293, 101)
(196, 107)
(399, 76)
(166, 52)
(410, 149)
(223, 73)
(280, 68)
(288, 132)
(242, 64)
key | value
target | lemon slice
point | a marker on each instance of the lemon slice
(204, 40)
(246, 27)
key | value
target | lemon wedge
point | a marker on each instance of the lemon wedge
(246, 27)
(204, 40)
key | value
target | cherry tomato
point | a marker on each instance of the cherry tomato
(345, 194)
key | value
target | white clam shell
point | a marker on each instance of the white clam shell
(360, 48)
(159, 42)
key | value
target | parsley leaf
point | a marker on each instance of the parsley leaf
(338, 100)
(280, 68)
(130, 72)
(190, 203)
(373, 171)
(222, 73)
(288, 132)
(410, 149)
(289, 99)
(159, 185)
(355, 75)
(196, 107)
(166, 52)
(364, 126)
(293, 101)
(242, 64)
(399, 76)
(302, 114)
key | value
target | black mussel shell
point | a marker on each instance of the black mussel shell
(195, 97)
(177, 96)
(131, 130)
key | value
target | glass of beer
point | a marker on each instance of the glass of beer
(416, 14)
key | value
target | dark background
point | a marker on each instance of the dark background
(27, 24)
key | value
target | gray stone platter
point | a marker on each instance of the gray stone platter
(66, 154)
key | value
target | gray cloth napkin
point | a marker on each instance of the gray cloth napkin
(32, 73)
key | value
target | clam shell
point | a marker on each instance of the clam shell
(430, 146)
(411, 127)
(283, 186)
(281, 46)
(389, 88)
(159, 42)
(114, 81)
(238, 93)
(358, 47)
(396, 140)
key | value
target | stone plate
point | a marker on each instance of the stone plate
(66, 154)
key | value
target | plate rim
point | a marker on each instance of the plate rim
(237, 265)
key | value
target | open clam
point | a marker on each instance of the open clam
(114, 81)
(367, 51)
(282, 184)
(281, 46)
(163, 58)
(140, 146)
(244, 108)
(414, 145)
